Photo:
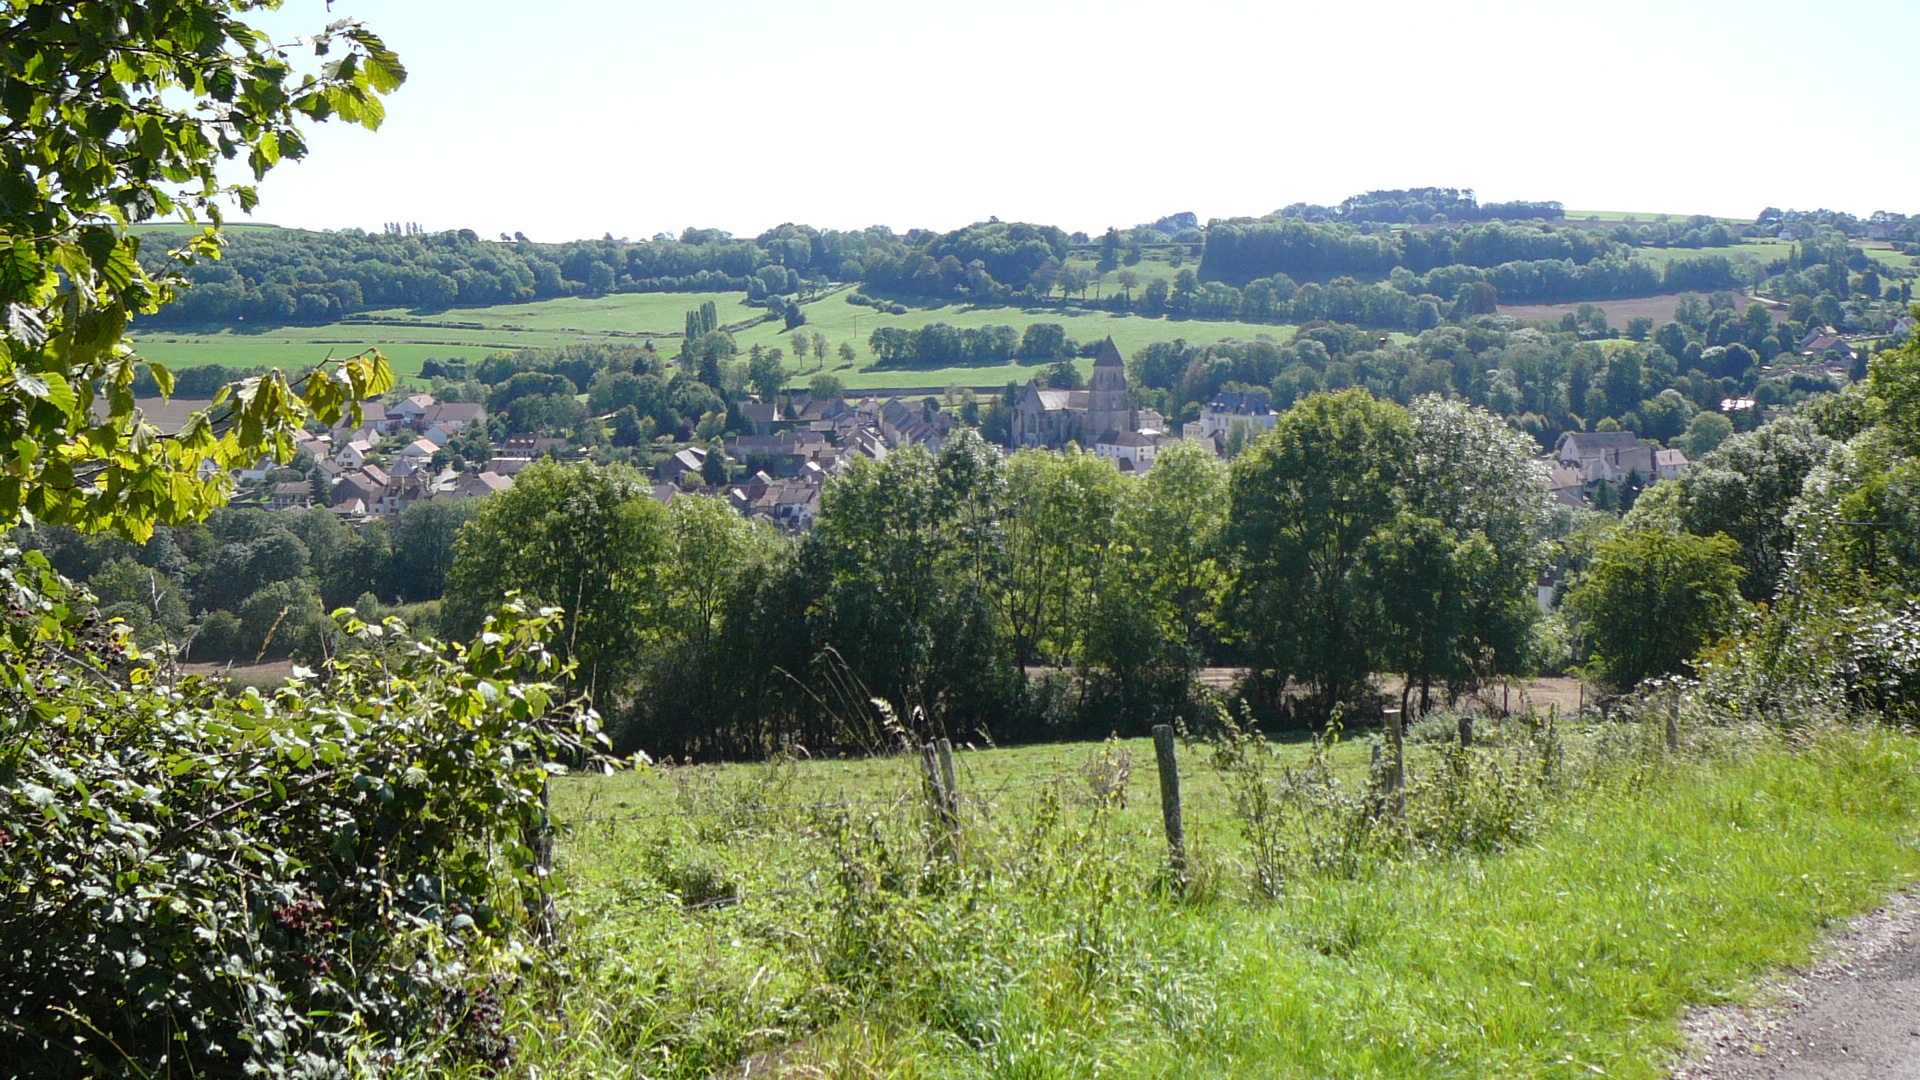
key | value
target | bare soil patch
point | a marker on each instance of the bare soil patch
(271, 673)
(1854, 1014)
(1658, 308)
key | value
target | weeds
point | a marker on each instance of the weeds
(1533, 874)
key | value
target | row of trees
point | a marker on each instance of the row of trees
(249, 583)
(1360, 536)
(941, 345)
(1544, 382)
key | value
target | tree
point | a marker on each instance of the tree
(893, 563)
(424, 541)
(1477, 478)
(586, 539)
(1652, 600)
(1304, 500)
(1061, 515)
(1744, 489)
(824, 385)
(847, 354)
(119, 112)
(800, 342)
(766, 375)
(1705, 434)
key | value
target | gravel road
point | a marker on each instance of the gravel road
(1855, 1015)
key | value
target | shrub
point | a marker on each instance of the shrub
(264, 885)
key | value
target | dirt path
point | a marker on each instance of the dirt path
(1854, 1016)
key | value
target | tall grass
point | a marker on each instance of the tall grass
(805, 919)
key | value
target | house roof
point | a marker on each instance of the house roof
(1125, 439)
(301, 488)
(1669, 458)
(1051, 400)
(421, 448)
(1596, 443)
(1239, 403)
(458, 412)
(1564, 476)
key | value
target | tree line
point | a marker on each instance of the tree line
(1037, 594)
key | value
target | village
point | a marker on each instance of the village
(774, 465)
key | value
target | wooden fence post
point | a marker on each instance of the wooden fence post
(949, 780)
(1163, 754)
(1397, 775)
(944, 800)
(544, 912)
(1466, 730)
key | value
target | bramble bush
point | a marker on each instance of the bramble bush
(198, 882)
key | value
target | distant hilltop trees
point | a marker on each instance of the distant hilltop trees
(1420, 206)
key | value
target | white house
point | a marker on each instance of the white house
(354, 454)
(1130, 451)
(412, 409)
(1229, 410)
(1605, 455)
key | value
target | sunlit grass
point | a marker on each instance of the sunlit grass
(1052, 945)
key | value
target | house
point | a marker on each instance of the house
(357, 488)
(354, 454)
(760, 416)
(1816, 347)
(414, 456)
(1604, 455)
(410, 411)
(796, 506)
(474, 486)
(402, 491)
(1669, 464)
(292, 495)
(1567, 483)
(1130, 451)
(372, 416)
(691, 459)
(452, 417)
(1251, 413)
(1046, 417)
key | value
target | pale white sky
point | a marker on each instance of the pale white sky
(576, 118)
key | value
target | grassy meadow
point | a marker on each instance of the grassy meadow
(408, 339)
(1549, 903)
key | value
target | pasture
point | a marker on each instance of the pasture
(409, 338)
(1547, 905)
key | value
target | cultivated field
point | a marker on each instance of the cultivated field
(1550, 903)
(1658, 308)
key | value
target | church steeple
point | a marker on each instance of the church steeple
(1109, 405)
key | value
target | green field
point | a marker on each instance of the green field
(407, 338)
(812, 919)
(1882, 252)
(1628, 217)
(1755, 252)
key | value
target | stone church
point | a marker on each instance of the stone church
(1057, 417)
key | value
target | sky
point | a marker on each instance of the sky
(578, 118)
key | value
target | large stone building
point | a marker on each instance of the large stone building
(1057, 417)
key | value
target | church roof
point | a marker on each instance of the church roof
(1108, 354)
